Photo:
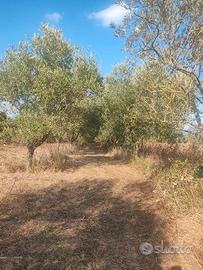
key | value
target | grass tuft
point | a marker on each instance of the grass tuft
(118, 153)
(54, 156)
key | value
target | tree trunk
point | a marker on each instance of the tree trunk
(31, 151)
(140, 149)
(197, 111)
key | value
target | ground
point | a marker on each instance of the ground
(93, 216)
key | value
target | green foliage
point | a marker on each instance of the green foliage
(59, 94)
(169, 32)
(47, 78)
(90, 121)
(2, 121)
(199, 171)
(143, 104)
(6, 128)
(3, 117)
(32, 129)
(113, 110)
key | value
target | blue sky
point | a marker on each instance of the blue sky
(84, 23)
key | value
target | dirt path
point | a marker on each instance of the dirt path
(94, 216)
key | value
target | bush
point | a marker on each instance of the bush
(179, 185)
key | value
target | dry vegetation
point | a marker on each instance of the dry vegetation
(178, 176)
(176, 170)
(193, 152)
(118, 153)
(91, 214)
(12, 159)
(54, 156)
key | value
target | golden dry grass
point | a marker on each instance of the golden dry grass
(12, 158)
(118, 153)
(181, 151)
(93, 215)
(54, 156)
(174, 167)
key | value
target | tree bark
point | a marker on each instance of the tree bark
(31, 151)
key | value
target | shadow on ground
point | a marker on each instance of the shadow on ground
(77, 226)
(91, 156)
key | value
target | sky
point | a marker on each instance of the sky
(84, 22)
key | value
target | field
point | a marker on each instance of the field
(94, 212)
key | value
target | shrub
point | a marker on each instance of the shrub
(179, 185)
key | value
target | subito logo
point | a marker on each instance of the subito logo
(146, 248)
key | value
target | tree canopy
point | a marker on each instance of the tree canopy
(59, 94)
(45, 79)
(144, 103)
(171, 32)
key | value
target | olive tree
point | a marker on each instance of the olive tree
(144, 103)
(32, 130)
(3, 119)
(171, 32)
(45, 79)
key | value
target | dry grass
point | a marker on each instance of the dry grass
(54, 156)
(164, 153)
(178, 186)
(147, 164)
(182, 151)
(14, 166)
(12, 159)
(176, 170)
(118, 153)
(79, 226)
(92, 217)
